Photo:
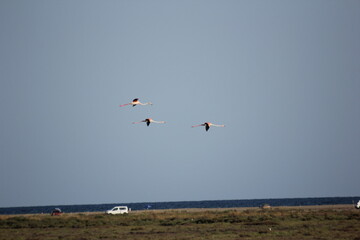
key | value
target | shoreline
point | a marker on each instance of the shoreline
(191, 210)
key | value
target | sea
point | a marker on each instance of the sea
(183, 204)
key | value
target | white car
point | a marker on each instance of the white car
(118, 210)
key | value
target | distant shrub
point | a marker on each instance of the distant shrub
(354, 216)
(16, 222)
(265, 206)
(204, 221)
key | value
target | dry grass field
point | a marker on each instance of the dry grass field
(290, 223)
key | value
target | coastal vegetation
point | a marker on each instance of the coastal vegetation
(273, 223)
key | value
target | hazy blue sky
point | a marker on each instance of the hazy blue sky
(283, 76)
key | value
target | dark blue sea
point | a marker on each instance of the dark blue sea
(184, 204)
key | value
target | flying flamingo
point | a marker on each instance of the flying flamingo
(207, 125)
(135, 102)
(148, 121)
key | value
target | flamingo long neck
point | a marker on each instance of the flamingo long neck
(148, 103)
(158, 121)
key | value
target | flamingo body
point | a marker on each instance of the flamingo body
(148, 121)
(135, 102)
(207, 125)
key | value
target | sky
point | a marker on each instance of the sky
(283, 76)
